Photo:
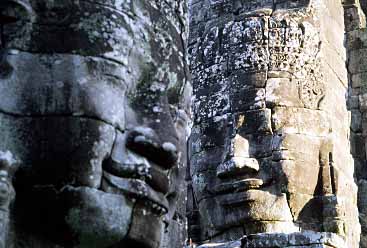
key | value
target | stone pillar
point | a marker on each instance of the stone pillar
(356, 44)
(270, 146)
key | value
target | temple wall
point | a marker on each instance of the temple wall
(356, 37)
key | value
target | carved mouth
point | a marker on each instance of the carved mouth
(144, 181)
(239, 186)
(136, 189)
(140, 168)
(240, 198)
(146, 171)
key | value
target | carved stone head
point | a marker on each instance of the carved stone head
(262, 145)
(94, 105)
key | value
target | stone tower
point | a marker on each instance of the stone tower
(277, 146)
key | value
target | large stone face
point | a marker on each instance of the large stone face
(269, 147)
(94, 110)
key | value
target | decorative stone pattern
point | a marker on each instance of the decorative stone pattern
(269, 149)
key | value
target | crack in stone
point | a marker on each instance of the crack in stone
(66, 115)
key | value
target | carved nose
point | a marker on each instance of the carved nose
(239, 147)
(127, 164)
(238, 160)
(237, 166)
(145, 141)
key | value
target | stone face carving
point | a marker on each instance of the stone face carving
(95, 107)
(265, 150)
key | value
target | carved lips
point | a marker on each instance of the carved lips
(241, 185)
(141, 169)
(137, 189)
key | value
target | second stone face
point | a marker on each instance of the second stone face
(265, 156)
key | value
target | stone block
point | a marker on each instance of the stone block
(355, 18)
(356, 125)
(357, 61)
(243, 208)
(300, 121)
(363, 102)
(359, 80)
(362, 199)
(212, 133)
(291, 144)
(364, 124)
(282, 92)
(353, 103)
(208, 159)
(259, 144)
(241, 79)
(210, 107)
(356, 39)
(336, 62)
(245, 99)
(358, 146)
(252, 122)
(293, 173)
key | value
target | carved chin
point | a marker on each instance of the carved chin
(257, 210)
(96, 218)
